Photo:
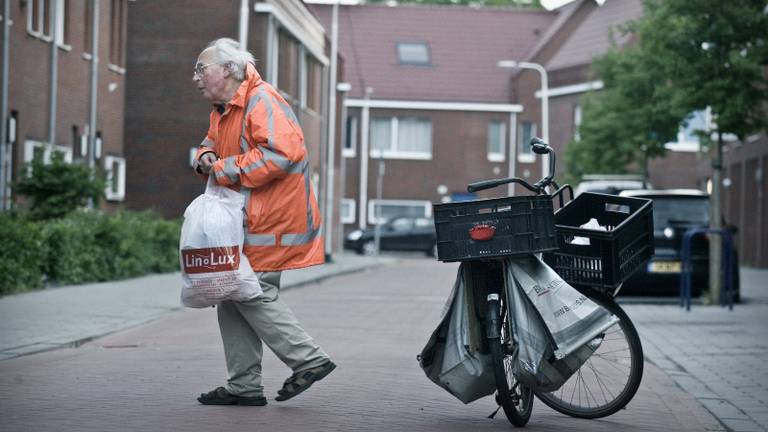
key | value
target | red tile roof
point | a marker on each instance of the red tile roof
(464, 43)
(592, 38)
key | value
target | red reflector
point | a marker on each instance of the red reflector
(482, 232)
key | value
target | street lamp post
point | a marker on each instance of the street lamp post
(544, 102)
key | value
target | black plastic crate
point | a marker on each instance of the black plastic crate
(523, 225)
(609, 256)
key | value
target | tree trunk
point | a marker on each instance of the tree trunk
(715, 223)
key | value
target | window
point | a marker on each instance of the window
(416, 54)
(401, 137)
(350, 140)
(576, 122)
(687, 139)
(314, 84)
(383, 210)
(36, 150)
(496, 133)
(39, 20)
(347, 211)
(117, 32)
(88, 27)
(114, 167)
(288, 65)
(527, 132)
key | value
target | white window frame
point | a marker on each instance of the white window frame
(351, 136)
(427, 205)
(31, 145)
(111, 195)
(393, 152)
(497, 156)
(404, 45)
(526, 157)
(60, 24)
(348, 210)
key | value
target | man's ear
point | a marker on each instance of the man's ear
(229, 69)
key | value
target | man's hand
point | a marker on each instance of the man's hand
(205, 163)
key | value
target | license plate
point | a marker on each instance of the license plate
(664, 267)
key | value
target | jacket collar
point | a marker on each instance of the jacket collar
(252, 79)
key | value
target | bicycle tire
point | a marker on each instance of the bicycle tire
(515, 398)
(609, 355)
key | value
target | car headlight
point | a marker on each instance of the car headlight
(669, 232)
(354, 235)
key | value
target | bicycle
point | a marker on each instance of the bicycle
(609, 379)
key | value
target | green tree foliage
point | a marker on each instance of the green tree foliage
(57, 188)
(689, 55)
(714, 54)
(626, 123)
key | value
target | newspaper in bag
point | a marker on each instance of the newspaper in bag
(535, 364)
(571, 318)
(213, 266)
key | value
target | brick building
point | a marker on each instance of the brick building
(30, 90)
(434, 70)
(428, 107)
(166, 119)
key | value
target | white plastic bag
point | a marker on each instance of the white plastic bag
(447, 358)
(535, 364)
(571, 318)
(213, 266)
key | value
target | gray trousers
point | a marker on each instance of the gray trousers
(245, 325)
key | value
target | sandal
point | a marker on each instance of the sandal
(220, 396)
(301, 381)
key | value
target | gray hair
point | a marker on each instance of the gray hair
(227, 50)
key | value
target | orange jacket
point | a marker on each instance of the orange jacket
(265, 158)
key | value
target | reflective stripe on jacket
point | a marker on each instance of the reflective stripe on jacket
(265, 157)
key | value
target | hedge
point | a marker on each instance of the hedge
(86, 246)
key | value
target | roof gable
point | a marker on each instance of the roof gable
(464, 45)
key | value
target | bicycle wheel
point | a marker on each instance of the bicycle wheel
(609, 379)
(515, 398)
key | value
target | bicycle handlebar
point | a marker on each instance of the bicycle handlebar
(539, 147)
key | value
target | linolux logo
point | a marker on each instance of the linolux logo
(211, 260)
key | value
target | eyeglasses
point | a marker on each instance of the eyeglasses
(200, 68)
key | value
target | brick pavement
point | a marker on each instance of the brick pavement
(373, 323)
(716, 355)
(69, 316)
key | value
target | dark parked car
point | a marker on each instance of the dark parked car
(402, 233)
(674, 212)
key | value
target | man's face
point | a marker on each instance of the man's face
(210, 77)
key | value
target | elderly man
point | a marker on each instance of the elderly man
(255, 145)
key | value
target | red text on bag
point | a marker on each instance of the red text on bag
(211, 260)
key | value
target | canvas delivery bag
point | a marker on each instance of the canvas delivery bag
(213, 266)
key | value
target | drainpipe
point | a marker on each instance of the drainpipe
(4, 177)
(54, 5)
(364, 125)
(243, 29)
(94, 84)
(512, 151)
(329, 204)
